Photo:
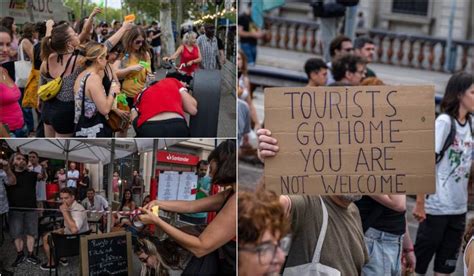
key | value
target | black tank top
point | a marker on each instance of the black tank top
(107, 79)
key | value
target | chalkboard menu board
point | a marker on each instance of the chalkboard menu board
(106, 254)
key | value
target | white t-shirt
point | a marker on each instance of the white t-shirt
(80, 218)
(40, 185)
(452, 172)
(70, 182)
(99, 204)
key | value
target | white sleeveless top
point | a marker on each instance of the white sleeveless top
(464, 256)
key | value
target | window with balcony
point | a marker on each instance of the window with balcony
(415, 7)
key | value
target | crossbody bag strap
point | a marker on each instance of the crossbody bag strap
(20, 51)
(84, 95)
(322, 234)
(67, 65)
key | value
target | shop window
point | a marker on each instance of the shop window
(415, 7)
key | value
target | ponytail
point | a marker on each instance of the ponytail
(46, 49)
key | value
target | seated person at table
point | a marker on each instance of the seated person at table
(124, 220)
(95, 202)
(75, 222)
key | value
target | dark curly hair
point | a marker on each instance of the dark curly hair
(346, 63)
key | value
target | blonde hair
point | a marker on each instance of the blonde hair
(147, 247)
(92, 51)
(188, 37)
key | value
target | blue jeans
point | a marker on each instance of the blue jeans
(385, 251)
(21, 132)
(250, 51)
(27, 113)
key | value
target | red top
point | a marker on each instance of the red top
(162, 96)
(10, 110)
(187, 56)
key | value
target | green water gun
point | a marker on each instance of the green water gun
(145, 64)
(122, 98)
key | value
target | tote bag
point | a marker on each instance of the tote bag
(22, 68)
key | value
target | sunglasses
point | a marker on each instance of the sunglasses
(139, 42)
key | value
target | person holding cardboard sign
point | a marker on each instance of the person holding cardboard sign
(442, 215)
(347, 242)
(219, 235)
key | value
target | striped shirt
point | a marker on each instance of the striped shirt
(209, 52)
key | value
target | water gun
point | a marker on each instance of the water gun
(155, 209)
(130, 17)
(145, 64)
(122, 102)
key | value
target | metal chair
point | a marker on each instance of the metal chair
(64, 246)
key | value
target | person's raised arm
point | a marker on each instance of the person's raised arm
(97, 94)
(117, 36)
(220, 231)
(11, 178)
(267, 145)
(86, 30)
(49, 27)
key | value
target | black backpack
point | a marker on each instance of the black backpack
(450, 139)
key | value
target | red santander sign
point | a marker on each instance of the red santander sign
(176, 158)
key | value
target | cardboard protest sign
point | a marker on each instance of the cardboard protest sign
(351, 140)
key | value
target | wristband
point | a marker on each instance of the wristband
(408, 250)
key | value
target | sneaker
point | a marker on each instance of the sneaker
(47, 267)
(33, 259)
(64, 262)
(20, 257)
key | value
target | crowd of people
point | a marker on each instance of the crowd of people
(23, 196)
(375, 229)
(61, 79)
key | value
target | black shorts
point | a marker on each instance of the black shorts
(441, 236)
(175, 127)
(60, 115)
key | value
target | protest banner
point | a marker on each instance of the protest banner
(351, 140)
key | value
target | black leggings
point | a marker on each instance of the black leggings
(175, 127)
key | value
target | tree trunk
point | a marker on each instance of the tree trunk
(167, 39)
(30, 10)
(179, 19)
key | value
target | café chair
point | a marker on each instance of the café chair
(46, 224)
(62, 245)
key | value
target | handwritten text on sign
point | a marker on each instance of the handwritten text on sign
(351, 140)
